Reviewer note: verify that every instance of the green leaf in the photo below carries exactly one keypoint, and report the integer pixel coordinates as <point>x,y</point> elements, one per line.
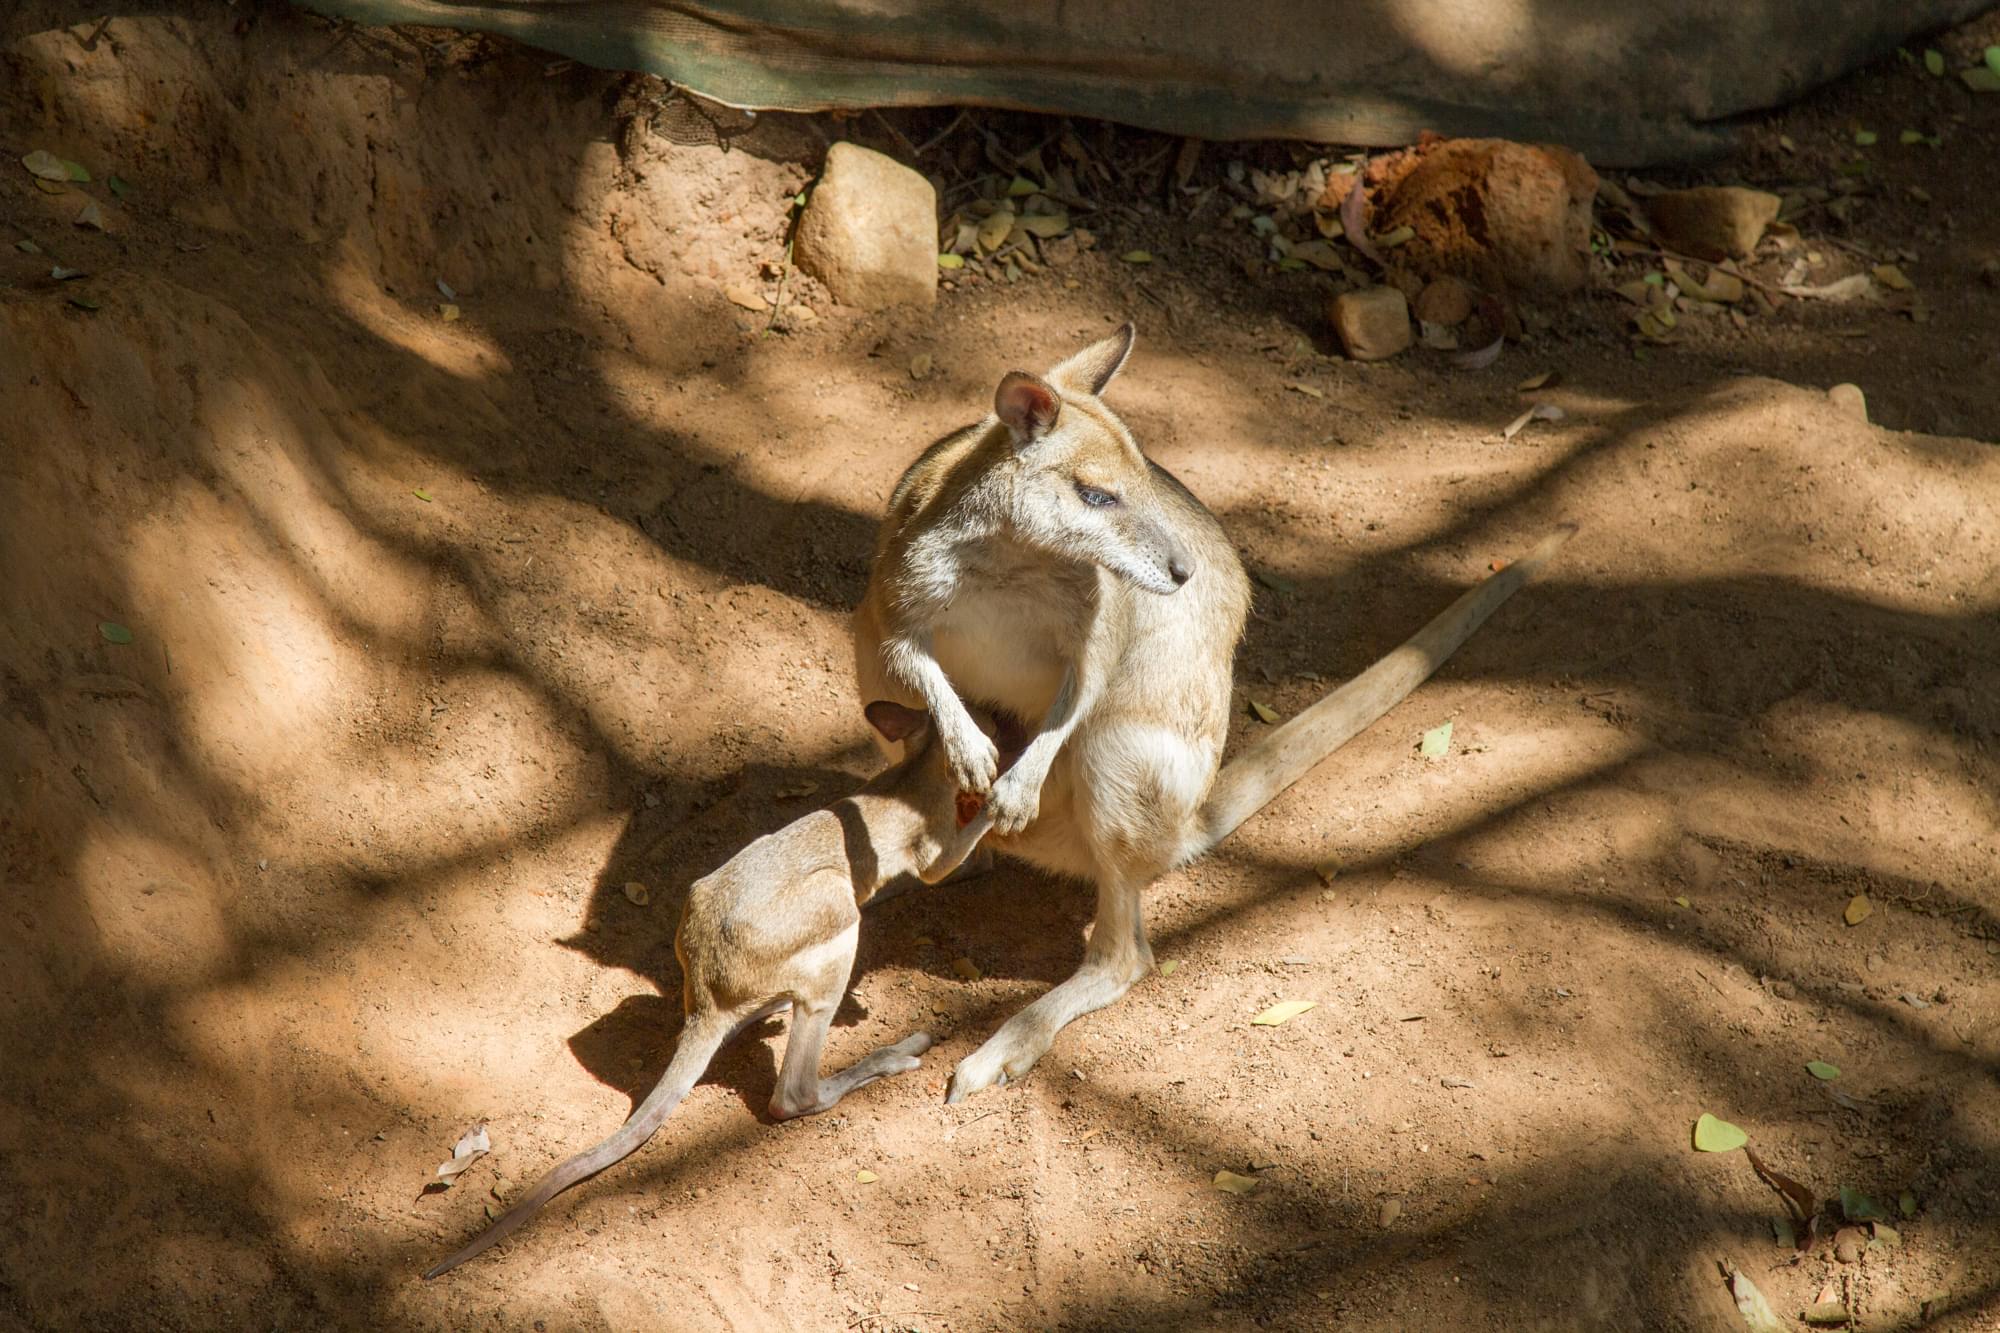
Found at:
<point>1908,137</point>
<point>1858,1207</point>
<point>45,165</point>
<point>27,247</point>
<point>1171,966</point>
<point>84,303</point>
<point>1906,1204</point>
<point>1263,712</point>
<point>1275,582</point>
<point>119,186</point>
<point>1934,62</point>
<point>421,494</point>
<point>951,261</point>
<point>74,170</point>
<point>1021,186</point>
<point>1712,1135</point>
<point>1402,235</point>
<point>1865,138</point>
<point>1980,79</point>
<point>1137,257</point>
<point>1820,1069</point>
<point>1993,59</point>
<point>1436,742</point>
<point>1826,1314</point>
<point>1283,1012</point>
<point>114,631</point>
<point>1757,1313</point>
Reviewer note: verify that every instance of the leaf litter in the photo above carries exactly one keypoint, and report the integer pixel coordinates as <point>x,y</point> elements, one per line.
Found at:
<point>1283,1012</point>
<point>1713,1135</point>
<point>471,1146</point>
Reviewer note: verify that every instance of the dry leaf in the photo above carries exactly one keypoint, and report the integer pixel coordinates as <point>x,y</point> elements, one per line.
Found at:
<point>1750,1303</point>
<point>866,1177</point>
<point>965,969</point>
<point>1847,289</point>
<point>636,893</point>
<point>471,1146</point>
<point>1231,1183</point>
<point>920,365</point>
<point>743,294</point>
<point>1887,274</point>
<point>91,215</point>
<point>448,312</point>
<point>1539,412</point>
<point>1283,1012</point>
<point>1391,1210</point>
<point>795,790</point>
<point>1263,712</point>
<point>995,230</point>
<point>1859,909</point>
<point>1309,390</point>
<point>1137,257</point>
<point>1171,966</point>
<point>1533,382</point>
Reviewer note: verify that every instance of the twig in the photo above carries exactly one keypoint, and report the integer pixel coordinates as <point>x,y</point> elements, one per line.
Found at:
<point>944,133</point>
<point>1711,981</point>
<point>975,1120</point>
<point>1675,255</point>
<point>894,133</point>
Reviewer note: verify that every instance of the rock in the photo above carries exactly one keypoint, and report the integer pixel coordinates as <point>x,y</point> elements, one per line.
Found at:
<point>1373,324</point>
<point>1506,217</point>
<point>1714,221</point>
<point>1848,1243</point>
<point>869,231</point>
<point>1445,300</point>
<point>1848,398</point>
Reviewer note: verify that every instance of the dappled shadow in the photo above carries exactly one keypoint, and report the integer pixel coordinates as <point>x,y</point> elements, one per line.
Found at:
<point>230,961</point>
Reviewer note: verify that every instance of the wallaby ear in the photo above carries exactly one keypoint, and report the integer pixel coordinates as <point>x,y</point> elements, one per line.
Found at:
<point>894,721</point>
<point>1028,405</point>
<point>1096,365</point>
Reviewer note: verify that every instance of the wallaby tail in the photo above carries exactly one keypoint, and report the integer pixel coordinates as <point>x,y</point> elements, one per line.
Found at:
<point>1277,760</point>
<point>700,1040</point>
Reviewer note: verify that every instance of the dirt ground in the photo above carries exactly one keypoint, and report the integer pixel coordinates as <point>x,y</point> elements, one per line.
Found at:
<point>442,632</point>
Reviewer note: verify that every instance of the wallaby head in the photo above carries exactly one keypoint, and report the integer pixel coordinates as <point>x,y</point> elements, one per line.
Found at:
<point>1080,487</point>
<point>942,832</point>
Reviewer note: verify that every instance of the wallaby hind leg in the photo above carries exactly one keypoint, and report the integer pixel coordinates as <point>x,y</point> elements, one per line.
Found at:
<point>1116,957</point>
<point>801,1091</point>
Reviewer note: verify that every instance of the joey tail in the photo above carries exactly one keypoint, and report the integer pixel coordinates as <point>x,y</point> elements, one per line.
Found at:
<point>699,1042</point>
<point>1283,756</point>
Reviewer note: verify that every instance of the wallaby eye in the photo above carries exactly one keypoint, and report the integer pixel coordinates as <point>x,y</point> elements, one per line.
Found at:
<point>1095,498</point>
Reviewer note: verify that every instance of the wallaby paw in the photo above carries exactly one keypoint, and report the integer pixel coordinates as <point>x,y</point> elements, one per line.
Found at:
<point>991,1066</point>
<point>1014,804</point>
<point>974,762</point>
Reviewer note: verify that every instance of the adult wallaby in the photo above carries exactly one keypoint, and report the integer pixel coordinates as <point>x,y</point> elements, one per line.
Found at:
<point>1039,563</point>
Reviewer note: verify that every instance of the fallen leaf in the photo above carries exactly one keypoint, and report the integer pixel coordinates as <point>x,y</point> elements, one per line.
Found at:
<point>920,365</point>
<point>114,631</point>
<point>1682,902</point>
<point>1865,138</point>
<point>1309,390</point>
<point>50,187</point>
<point>1892,277</point>
<point>1712,1135</point>
<point>1826,1312</point>
<point>84,303</point>
<point>1402,235</point>
<point>1980,79</point>
<point>1481,357</point>
<point>1820,1069</point>
<point>61,274</point>
<point>1435,742</point>
<point>866,1177</point>
<point>91,215</point>
<point>949,260</point>
<point>75,171</point>
<point>1800,1206</point>
<point>1914,1000</point>
<point>1283,1012</point>
<point>1231,1183</point>
<point>1021,187</point>
<point>1137,257</point>
<point>1537,381</point>
<point>1750,1303</point>
<point>1886,1234</point>
<point>1263,712</point>
<point>1858,1207</point>
<point>1908,137</point>
<point>471,1146</point>
<point>637,893</point>
<point>1171,966</point>
<point>1043,225</point>
<point>1786,142</point>
<point>1275,582</point>
<point>1993,58</point>
<point>1906,1204</point>
<point>744,295</point>
<point>1391,1210</point>
<point>1539,412</point>
<point>1859,909</point>
<point>1328,871</point>
<point>965,969</point>
<point>448,312</point>
<point>119,186</point>
<point>794,791</point>
<point>444,290</point>
<point>27,247</point>
<point>1846,289</point>
<point>1934,62</point>
<point>45,165</point>
<point>421,494</point>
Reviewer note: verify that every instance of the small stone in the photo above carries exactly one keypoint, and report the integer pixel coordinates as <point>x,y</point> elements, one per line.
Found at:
<point>1373,324</point>
<point>1446,301</point>
<point>1848,1243</point>
<point>869,231</point>
<point>1714,221</point>
<point>636,893</point>
<point>1849,399</point>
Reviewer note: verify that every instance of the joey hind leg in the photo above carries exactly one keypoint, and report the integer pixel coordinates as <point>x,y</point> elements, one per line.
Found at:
<point>1116,957</point>
<point>801,1091</point>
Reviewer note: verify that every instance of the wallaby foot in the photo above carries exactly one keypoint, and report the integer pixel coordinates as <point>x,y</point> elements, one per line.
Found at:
<point>901,1058</point>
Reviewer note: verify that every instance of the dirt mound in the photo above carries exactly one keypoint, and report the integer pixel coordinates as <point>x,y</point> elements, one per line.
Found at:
<point>443,630</point>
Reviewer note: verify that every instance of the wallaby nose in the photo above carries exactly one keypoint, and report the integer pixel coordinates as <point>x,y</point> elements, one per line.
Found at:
<point>1178,571</point>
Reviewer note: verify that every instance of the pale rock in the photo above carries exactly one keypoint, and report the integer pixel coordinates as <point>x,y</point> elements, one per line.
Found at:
<point>869,231</point>
<point>1372,324</point>
<point>1848,398</point>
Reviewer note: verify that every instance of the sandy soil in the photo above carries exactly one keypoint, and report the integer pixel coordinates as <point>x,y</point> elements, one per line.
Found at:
<point>443,632</point>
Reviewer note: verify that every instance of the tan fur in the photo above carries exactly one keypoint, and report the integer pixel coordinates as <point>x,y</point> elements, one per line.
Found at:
<point>993,581</point>
<point>775,928</point>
